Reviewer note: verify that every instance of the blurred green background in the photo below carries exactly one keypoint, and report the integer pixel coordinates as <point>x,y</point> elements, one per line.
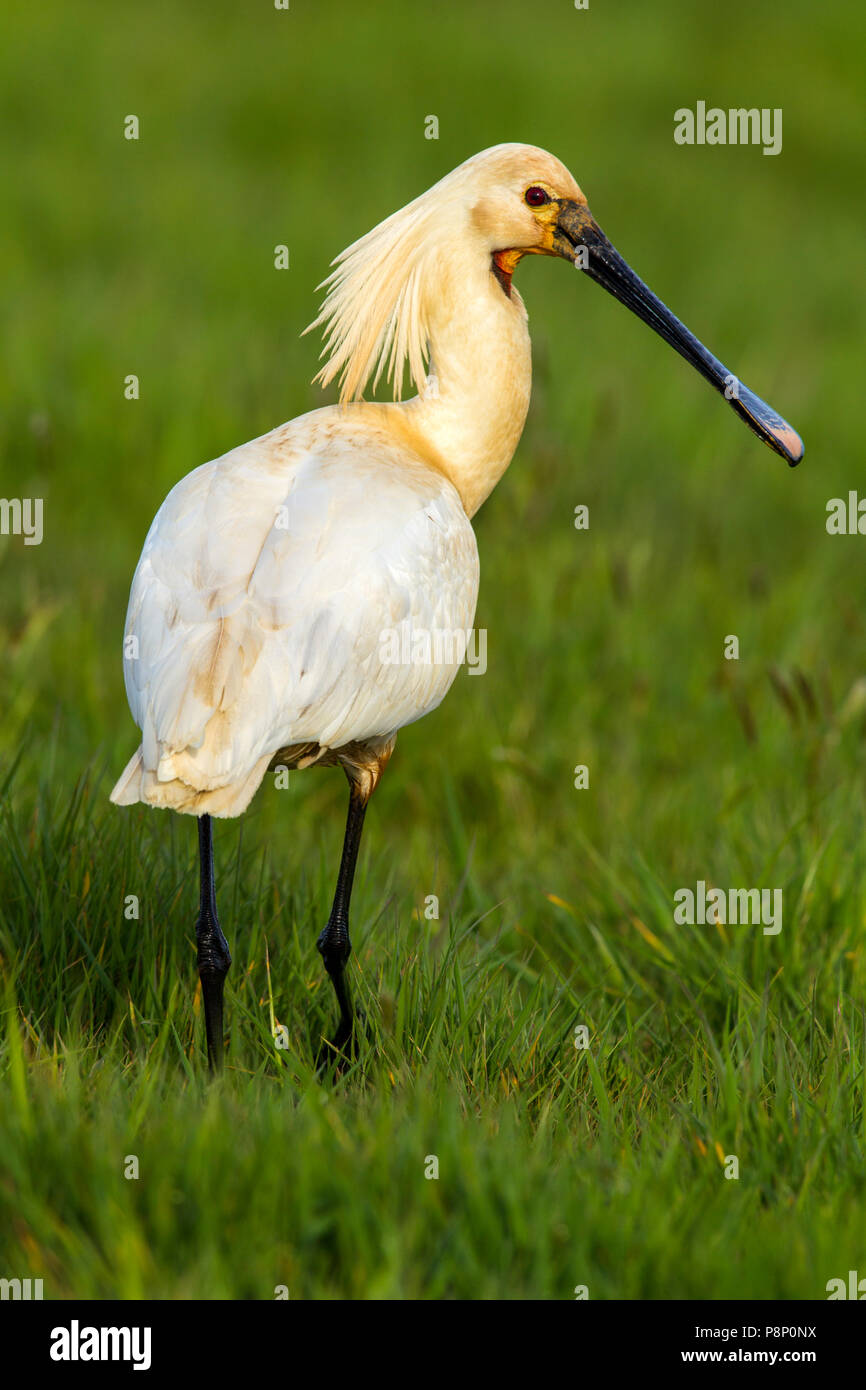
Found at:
<point>306,127</point>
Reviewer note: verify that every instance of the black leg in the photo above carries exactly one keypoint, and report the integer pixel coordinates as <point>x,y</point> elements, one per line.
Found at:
<point>334,943</point>
<point>214,958</point>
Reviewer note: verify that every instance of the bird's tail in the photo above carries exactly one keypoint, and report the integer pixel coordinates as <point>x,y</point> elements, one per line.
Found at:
<point>138,783</point>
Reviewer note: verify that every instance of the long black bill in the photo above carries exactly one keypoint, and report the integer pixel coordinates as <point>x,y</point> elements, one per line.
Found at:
<point>576,232</point>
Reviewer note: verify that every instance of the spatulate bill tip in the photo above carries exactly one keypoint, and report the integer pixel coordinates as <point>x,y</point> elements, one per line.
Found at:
<point>776,432</point>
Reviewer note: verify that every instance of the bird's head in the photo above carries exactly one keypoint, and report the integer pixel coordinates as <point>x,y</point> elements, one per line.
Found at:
<point>515,195</point>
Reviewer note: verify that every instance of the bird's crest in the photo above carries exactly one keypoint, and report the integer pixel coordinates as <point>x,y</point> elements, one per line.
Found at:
<point>374,313</point>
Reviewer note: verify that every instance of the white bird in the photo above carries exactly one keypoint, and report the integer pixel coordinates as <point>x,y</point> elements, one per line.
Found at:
<point>271,575</point>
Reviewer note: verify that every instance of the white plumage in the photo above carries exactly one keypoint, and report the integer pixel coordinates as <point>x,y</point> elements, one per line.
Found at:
<point>260,601</point>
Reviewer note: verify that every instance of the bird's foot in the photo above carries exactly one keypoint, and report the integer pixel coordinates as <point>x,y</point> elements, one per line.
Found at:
<point>340,1051</point>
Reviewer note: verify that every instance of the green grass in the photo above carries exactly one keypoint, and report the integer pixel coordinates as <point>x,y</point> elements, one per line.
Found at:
<point>558,1167</point>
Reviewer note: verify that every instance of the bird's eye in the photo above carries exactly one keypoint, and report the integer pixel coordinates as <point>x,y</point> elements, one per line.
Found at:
<point>535,196</point>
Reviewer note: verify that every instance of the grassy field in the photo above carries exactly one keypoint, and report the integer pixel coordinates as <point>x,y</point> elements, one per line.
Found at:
<point>557,1167</point>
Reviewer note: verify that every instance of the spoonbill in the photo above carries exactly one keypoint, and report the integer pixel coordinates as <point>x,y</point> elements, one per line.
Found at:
<point>254,631</point>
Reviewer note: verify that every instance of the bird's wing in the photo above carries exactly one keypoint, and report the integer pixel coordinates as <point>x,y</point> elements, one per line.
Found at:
<point>264,595</point>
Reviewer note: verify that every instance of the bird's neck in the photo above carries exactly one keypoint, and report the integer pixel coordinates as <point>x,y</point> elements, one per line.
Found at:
<point>474,409</point>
